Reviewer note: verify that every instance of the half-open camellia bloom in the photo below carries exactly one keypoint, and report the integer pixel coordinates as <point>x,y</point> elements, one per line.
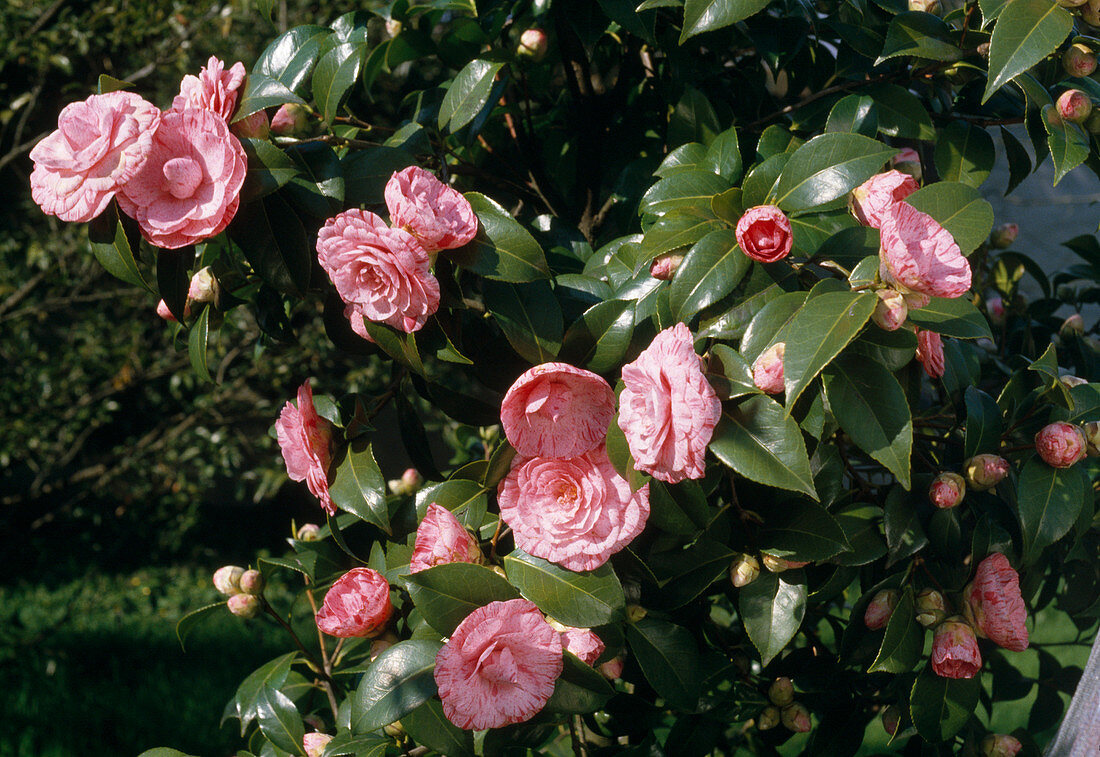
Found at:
<point>214,89</point>
<point>358,604</point>
<point>583,643</point>
<point>930,353</point>
<point>767,369</point>
<point>306,442</point>
<point>668,411</point>
<point>919,256</point>
<point>557,410</point>
<point>870,200</point>
<point>188,190</point>
<point>437,215</point>
<point>955,652</point>
<point>994,601</point>
<point>764,233</point>
<point>441,539</point>
<point>99,145</point>
<point>381,274</point>
<point>576,512</point>
<point>499,666</point>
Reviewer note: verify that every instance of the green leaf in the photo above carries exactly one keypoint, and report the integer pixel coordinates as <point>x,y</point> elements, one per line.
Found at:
<point>904,533</point>
<point>428,726</point>
<point>358,486</point>
<point>503,249</point>
<point>735,377</point>
<point>957,317</point>
<point>347,744</point>
<point>707,15</point>
<point>694,187</point>
<point>693,119</point>
<point>819,331</point>
<point>958,208</point>
<point>188,622</point>
<point>939,706</point>
<point>855,114</point>
<point>1048,501</point>
<point>769,324</point>
<point>1026,32</point>
<point>860,522</point>
<point>274,241</point>
<point>107,83</point>
<point>367,171</point>
<point>173,277</point>
<point>447,593</point>
<point>582,599</point>
<point>196,345</point>
<point>828,167</point>
<point>904,639</point>
<point>263,92</point>
<point>268,169</point>
<point>397,682</point>
<point>468,94</point>
<point>710,271</point>
<point>802,531</point>
<point>279,720</point>
<point>761,442</point>
<point>680,227</point>
<point>900,113</point>
<point>599,339</point>
<point>1069,145</point>
<point>686,573</point>
<point>678,508</point>
<point>334,76</point>
<point>163,751</point>
<point>290,57</point>
<point>530,317</point>
<point>772,608</point>
<point>964,152</point>
<point>669,659</point>
<point>919,35</point>
<point>758,186</point>
<point>580,689</point>
<point>271,675</point>
<point>724,156</point>
<point>688,157</point>
<point>467,500</point>
<point>872,408</point>
<point>983,423</point>
<point>111,247</point>
<point>1019,162</point>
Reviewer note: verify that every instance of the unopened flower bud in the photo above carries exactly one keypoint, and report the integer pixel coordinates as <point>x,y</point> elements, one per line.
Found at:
<point>203,286</point>
<point>664,266</point>
<point>985,471</point>
<point>999,745</point>
<point>290,120</point>
<point>1061,444</point>
<point>1092,438</point>
<point>908,161</point>
<point>744,570</point>
<point>767,369</point>
<point>634,613</point>
<point>1071,3</point>
<point>890,310</point>
<point>393,27</point>
<point>983,50</point>
<point>781,692</point>
<point>381,644</point>
<point>947,490</point>
<point>891,719</point>
<point>227,579</point>
<point>252,582</point>
<point>1090,13</point>
<point>1004,235</point>
<point>308,532</point>
<point>931,608</point>
<point>1074,324</point>
<point>165,313</point>
<point>778,564</point>
<point>533,44</point>
<point>412,479</point>
<point>1069,381</point>
<point>955,652</point>
<point>880,608</point>
<point>314,743</point>
<point>1074,105</point>
<point>245,606</point>
<point>797,718</point>
<point>769,718</point>
<point>1079,60</point>
<point>394,730</point>
<point>927,6</point>
<point>995,306</point>
<point>612,670</point>
<point>256,126</point>
<point>1092,123</point>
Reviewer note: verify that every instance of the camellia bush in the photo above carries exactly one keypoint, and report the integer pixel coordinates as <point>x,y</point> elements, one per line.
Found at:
<point>764,438</point>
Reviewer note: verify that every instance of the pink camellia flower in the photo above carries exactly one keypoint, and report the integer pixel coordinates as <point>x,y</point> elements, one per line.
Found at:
<point>557,410</point>
<point>764,234</point>
<point>664,266</point>
<point>612,670</point>
<point>214,89</point>
<point>188,190</point>
<point>583,643</point>
<point>533,44</point>
<point>499,666</point>
<point>930,353</point>
<point>440,539</point>
<point>919,256</point>
<point>306,442</point>
<point>100,144</point>
<point>880,608</point>
<point>381,274</point>
<point>999,745</point>
<point>994,602</point>
<point>315,743</point>
<point>995,306</point>
<point>438,216</point>
<point>767,369</point>
<point>290,119</point>
<point>871,199</point>
<point>164,312</point>
<point>955,651</point>
<point>667,410</point>
<point>1061,444</point>
<point>203,286</point>
<point>985,471</point>
<point>575,512</point>
<point>947,490</point>
<point>891,310</point>
<point>358,604</point>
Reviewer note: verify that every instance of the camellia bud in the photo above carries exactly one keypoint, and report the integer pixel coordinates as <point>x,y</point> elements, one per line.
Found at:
<point>203,286</point>
<point>245,606</point>
<point>256,126</point>
<point>165,313</point>
<point>947,490</point>
<point>393,27</point>
<point>908,161</point>
<point>1074,105</point>
<point>931,608</point>
<point>314,743</point>
<point>1051,117</point>
<point>394,730</point>
<point>999,745</point>
<point>289,120</point>
<point>664,266</point>
<point>955,651</point>
<point>781,692</point>
<point>927,6</point>
<point>1079,60</point>
<point>891,719</point>
<point>880,608</point>
<point>995,306</point>
<point>412,479</point>
<point>634,613</point>
<point>1092,438</point>
<point>1061,444</point>
<point>1069,381</point>
<point>769,718</point>
<point>612,670</point>
<point>890,310</point>
<point>1074,324</point>
<point>381,644</point>
<point>797,718</point>
<point>744,570</point>
<point>252,582</point>
<point>1004,235</point>
<point>1092,123</point>
<point>985,471</point>
<point>308,532</point>
<point>1090,13</point>
<point>983,50</point>
<point>776,564</point>
<point>227,579</point>
<point>1071,3</point>
<point>767,369</point>
<point>533,44</point>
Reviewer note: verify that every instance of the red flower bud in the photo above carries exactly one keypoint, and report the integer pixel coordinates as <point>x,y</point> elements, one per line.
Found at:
<point>931,608</point>
<point>995,604</point>
<point>880,608</point>
<point>781,692</point>
<point>315,743</point>
<point>256,126</point>
<point>985,471</point>
<point>1061,444</point>
<point>1074,105</point>
<point>769,718</point>
<point>764,234</point>
<point>891,719</point>
<point>1004,235</point>
<point>289,120</point>
<point>308,532</point>
<point>1079,60</point>
<point>955,651</point>
<point>612,669</point>
<point>797,718</point>
<point>744,570</point>
<point>995,307</point>
<point>203,287</point>
<point>767,369</point>
<point>947,490</point>
<point>664,266</point>
<point>1073,324</point>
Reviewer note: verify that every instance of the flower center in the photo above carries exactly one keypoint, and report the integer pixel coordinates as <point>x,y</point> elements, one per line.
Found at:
<point>183,176</point>
<point>567,492</point>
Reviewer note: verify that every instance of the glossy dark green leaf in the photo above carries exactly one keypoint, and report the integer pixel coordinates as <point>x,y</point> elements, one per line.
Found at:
<point>729,374</point>
<point>802,531</point>
<point>707,15</point>
<point>582,599</point>
<point>772,608</point>
<point>279,720</point>
<point>1069,145</point>
<point>580,689</point>
<point>367,171</point>
<point>669,659</point>
<point>964,152</point>
<point>693,119</point>
<point>900,113</point>
<point>678,508</point>
<point>1019,162</point>
<point>196,344</point>
<point>529,316</point>
<point>272,237</point>
<point>724,156</point>
<point>903,641</point>
<point>397,682</point>
<point>468,94</point>
<point>264,92</point>
<point>271,675</point>
<point>268,169</point>
<point>855,114</point>
<point>111,247</point>
<point>191,620</point>
<point>290,57</point>
<point>319,187</point>
<point>958,208</point>
<point>712,269</point>
<point>861,524</point>
<point>358,486</point>
<point>502,250</point>
<point>347,744</point>
<point>686,573</point>
<point>618,452</point>
<point>681,227</point>
<point>1026,32</point>
<point>769,324</point>
<point>467,500</point>
<point>447,593</point>
<point>600,337</point>
<point>919,35</point>
<point>428,726</point>
<point>828,167</point>
<point>904,533</point>
<point>694,187</point>
<point>688,157</point>
<point>957,317</point>
<point>758,186</point>
<point>106,83</point>
<point>334,76</point>
<point>173,278</point>
<point>983,422</point>
<point>818,332</point>
<point>761,442</point>
<point>1049,501</point>
<point>940,706</point>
